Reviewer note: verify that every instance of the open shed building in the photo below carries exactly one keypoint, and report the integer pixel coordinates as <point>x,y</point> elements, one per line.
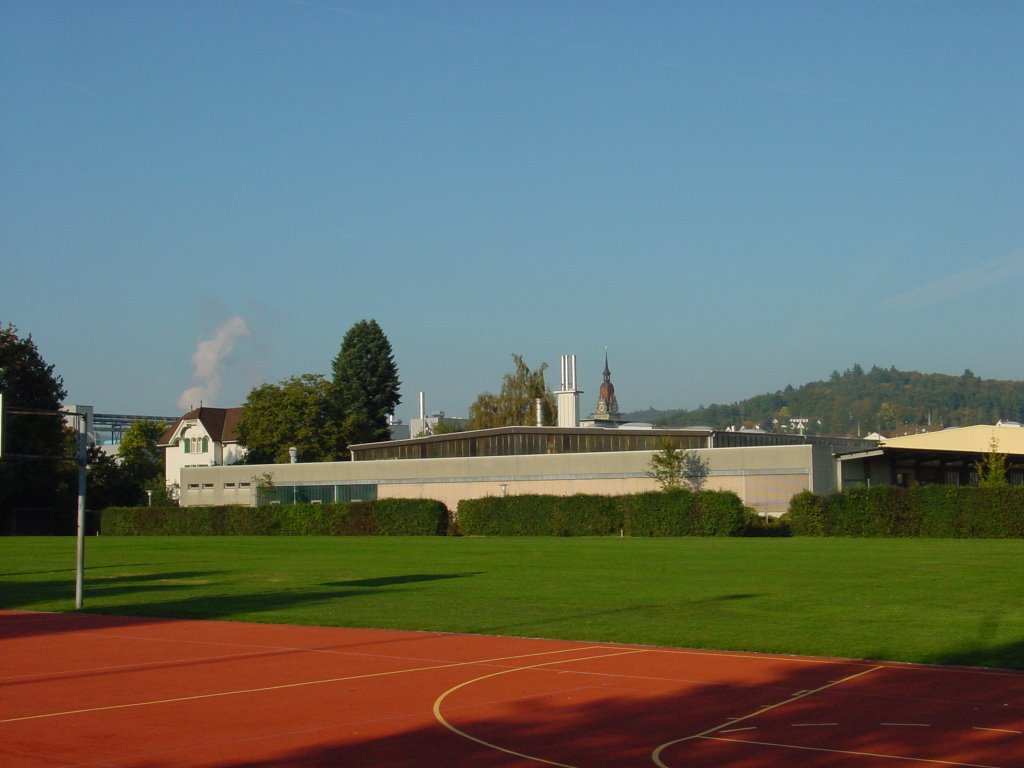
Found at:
<point>949,457</point>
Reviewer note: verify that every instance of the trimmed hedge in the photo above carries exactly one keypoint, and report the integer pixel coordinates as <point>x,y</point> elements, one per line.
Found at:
<point>676,513</point>
<point>536,515</point>
<point>933,511</point>
<point>383,517</point>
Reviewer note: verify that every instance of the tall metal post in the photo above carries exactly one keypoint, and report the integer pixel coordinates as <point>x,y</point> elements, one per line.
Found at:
<point>83,443</point>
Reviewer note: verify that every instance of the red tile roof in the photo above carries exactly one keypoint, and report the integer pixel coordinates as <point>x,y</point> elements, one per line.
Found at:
<point>220,423</point>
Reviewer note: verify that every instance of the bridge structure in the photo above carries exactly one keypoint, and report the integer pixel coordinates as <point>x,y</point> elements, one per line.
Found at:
<point>109,428</point>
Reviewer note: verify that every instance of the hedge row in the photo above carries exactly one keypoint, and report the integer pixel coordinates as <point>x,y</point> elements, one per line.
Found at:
<point>934,511</point>
<point>383,517</point>
<point>676,513</point>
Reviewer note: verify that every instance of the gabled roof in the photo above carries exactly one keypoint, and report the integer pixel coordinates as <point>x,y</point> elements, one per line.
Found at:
<point>220,423</point>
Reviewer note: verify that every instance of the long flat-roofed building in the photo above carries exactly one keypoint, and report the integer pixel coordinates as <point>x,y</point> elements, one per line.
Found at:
<point>764,469</point>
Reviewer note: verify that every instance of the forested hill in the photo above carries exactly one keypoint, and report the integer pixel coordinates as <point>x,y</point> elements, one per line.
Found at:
<point>855,402</point>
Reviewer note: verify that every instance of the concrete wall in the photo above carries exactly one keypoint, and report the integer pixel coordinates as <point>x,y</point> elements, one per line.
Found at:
<point>764,477</point>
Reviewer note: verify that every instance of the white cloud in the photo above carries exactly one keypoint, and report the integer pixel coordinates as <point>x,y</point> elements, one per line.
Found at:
<point>968,281</point>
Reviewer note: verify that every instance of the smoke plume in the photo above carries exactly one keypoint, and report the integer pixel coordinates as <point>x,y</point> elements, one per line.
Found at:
<point>207,362</point>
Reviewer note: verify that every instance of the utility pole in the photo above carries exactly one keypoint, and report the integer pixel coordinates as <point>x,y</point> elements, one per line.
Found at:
<point>83,451</point>
<point>81,459</point>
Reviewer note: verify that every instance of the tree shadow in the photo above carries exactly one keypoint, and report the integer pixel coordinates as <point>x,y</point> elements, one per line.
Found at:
<point>717,724</point>
<point>71,570</point>
<point>19,595</point>
<point>624,610</point>
<point>410,578</point>
<point>160,590</point>
<point>1002,656</point>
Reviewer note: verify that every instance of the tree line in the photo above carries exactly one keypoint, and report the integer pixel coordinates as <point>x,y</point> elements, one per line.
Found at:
<point>856,402</point>
<point>321,417</point>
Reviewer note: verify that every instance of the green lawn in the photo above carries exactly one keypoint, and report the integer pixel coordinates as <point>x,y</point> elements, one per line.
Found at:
<point>944,601</point>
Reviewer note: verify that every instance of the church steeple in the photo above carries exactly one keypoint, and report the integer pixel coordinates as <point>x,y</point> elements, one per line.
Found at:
<point>607,405</point>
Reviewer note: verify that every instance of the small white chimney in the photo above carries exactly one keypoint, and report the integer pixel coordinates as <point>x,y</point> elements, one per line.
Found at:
<point>568,396</point>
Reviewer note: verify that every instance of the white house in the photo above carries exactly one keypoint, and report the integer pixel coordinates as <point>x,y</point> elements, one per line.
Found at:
<point>204,437</point>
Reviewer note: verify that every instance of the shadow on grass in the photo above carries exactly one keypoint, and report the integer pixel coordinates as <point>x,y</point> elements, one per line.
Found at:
<point>71,570</point>
<point>27,594</point>
<point>15,595</point>
<point>411,578</point>
<point>627,611</point>
<point>1001,656</point>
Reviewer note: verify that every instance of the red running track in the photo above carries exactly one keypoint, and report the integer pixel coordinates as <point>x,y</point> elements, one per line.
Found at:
<point>87,690</point>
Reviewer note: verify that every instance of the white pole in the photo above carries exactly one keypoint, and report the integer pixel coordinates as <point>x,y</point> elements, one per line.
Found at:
<point>83,440</point>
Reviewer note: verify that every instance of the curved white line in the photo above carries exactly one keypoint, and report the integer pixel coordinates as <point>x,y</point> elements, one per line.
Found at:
<point>444,721</point>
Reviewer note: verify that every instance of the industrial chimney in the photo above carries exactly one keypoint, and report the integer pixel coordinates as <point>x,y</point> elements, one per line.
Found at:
<point>568,397</point>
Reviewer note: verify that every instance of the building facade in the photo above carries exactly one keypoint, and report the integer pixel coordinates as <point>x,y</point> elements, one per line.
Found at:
<point>765,470</point>
<point>944,457</point>
<point>204,437</point>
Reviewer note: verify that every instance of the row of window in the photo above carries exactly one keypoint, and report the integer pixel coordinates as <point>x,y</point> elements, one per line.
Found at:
<point>299,494</point>
<point>195,444</point>
<point>954,477</point>
<point>316,494</point>
<point>225,486</point>
<point>528,443</point>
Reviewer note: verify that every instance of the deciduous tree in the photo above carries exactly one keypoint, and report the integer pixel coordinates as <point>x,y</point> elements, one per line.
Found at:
<point>28,382</point>
<point>108,483</point>
<point>298,412</point>
<point>516,405</point>
<point>674,468</point>
<point>139,455</point>
<point>991,467</point>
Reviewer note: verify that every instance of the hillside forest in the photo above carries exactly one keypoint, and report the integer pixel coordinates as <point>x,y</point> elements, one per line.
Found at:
<point>857,403</point>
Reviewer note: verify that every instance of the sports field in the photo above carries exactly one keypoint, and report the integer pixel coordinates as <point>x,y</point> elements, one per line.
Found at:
<point>929,601</point>
<point>124,692</point>
<point>654,665</point>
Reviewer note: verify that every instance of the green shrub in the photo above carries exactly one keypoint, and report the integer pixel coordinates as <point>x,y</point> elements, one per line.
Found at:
<point>384,517</point>
<point>806,514</point>
<point>657,513</point>
<point>407,517</point>
<point>539,515</point>
<point>719,513</point>
<point>757,526</point>
<point>683,512</point>
<point>881,510</point>
<point>946,511</point>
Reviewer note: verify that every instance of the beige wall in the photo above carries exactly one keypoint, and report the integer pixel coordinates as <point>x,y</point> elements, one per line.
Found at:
<point>764,477</point>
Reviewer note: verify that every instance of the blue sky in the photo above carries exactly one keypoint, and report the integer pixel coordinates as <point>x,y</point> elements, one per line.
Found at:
<point>731,197</point>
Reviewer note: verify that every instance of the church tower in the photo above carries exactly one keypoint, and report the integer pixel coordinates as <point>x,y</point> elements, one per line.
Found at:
<point>607,405</point>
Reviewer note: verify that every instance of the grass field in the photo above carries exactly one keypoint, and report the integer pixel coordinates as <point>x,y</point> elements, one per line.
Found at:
<point>940,601</point>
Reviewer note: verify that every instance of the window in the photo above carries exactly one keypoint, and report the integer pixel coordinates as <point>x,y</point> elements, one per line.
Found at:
<point>185,445</point>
